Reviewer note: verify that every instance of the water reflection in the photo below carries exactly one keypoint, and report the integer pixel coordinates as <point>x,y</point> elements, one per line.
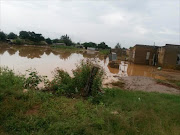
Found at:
<point>31,53</point>
<point>143,70</point>
<point>46,59</point>
<point>65,55</point>
<point>3,49</point>
<point>11,51</point>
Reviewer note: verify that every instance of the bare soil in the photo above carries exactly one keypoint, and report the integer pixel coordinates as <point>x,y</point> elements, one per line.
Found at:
<point>147,84</point>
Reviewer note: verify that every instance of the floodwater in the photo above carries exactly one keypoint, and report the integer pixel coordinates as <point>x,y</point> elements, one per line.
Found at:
<point>46,59</point>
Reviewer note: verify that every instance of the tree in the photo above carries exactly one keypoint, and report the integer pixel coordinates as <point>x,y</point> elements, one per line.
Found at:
<point>24,35</point>
<point>31,36</point>
<point>2,36</point>
<point>103,45</point>
<point>55,40</point>
<point>49,41</point>
<point>90,44</point>
<point>35,37</point>
<point>11,35</point>
<point>118,46</point>
<point>66,39</point>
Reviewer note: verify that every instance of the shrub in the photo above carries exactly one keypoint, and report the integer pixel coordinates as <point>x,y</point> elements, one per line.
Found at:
<point>10,81</point>
<point>63,83</point>
<point>19,41</point>
<point>33,79</point>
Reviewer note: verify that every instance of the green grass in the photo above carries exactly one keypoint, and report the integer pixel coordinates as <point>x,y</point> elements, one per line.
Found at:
<point>117,112</point>
<point>178,83</point>
<point>104,52</point>
<point>65,47</point>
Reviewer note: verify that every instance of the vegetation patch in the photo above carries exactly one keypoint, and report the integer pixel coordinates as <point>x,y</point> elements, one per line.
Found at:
<point>104,52</point>
<point>84,79</point>
<point>112,112</point>
<point>66,48</point>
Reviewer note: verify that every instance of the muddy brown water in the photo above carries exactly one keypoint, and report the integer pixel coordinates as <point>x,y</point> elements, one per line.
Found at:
<point>46,59</point>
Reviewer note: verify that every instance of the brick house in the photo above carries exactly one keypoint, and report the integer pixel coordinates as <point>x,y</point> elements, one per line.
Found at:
<point>169,56</point>
<point>143,54</point>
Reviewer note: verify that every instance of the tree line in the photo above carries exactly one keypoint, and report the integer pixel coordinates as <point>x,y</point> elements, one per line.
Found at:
<point>28,37</point>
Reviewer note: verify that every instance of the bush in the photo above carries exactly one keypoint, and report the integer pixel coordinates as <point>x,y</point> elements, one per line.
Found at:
<point>33,79</point>
<point>63,83</point>
<point>10,81</point>
<point>19,41</point>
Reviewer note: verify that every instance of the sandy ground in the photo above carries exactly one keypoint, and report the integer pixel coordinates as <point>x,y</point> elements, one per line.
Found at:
<point>147,84</point>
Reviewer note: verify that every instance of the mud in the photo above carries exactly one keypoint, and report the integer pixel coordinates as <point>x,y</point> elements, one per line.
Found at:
<point>169,74</point>
<point>147,84</point>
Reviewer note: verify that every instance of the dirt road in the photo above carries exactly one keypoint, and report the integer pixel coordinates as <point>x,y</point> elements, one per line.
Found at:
<point>147,84</point>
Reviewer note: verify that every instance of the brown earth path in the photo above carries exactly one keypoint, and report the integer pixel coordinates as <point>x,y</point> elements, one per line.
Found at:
<point>147,84</point>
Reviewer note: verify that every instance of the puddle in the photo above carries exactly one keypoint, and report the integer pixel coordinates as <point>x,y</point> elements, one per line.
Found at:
<point>46,59</point>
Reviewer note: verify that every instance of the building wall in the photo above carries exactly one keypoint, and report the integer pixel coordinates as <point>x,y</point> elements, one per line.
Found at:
<point>131,51</point>
<point>141,54</point>
<point>161,53</point>
<point>170,57</point>
<point>90,48</point>
<point>127,52</point>
<point>167,55</point>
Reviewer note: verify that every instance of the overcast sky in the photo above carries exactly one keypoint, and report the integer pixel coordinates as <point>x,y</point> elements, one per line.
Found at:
<point>128,22</point>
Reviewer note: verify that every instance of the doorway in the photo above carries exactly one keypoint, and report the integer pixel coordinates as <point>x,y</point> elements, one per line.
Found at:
<point>178,59</point>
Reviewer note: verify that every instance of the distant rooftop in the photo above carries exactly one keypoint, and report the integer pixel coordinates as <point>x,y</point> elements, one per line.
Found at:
<point>172,45</point>
<point>146,45</point>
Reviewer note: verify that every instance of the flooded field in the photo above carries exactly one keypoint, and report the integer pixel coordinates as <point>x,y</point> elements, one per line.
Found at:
<point>46,59</point>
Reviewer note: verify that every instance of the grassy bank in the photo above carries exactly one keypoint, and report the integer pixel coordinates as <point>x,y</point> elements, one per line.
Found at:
<point>65,47</point>
<point>104,51</point>
<point>114,112</point>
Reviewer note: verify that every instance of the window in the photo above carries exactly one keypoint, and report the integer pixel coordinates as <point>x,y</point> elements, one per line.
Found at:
<point>147,55</point>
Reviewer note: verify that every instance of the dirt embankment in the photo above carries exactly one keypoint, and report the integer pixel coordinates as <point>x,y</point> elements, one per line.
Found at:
<point>147,84</point>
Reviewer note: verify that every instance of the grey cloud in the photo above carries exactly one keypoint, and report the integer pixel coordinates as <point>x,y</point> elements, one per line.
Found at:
<point>125,21</point>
